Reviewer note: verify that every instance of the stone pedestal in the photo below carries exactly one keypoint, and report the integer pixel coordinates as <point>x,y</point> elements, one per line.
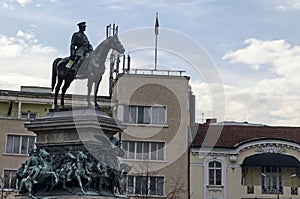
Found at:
<point>86,130</point>
<point>72,197</point>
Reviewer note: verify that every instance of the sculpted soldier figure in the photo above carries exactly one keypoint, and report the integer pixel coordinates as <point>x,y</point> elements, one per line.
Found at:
<point>33,166</point>
<point>80,47</point>
<point>70,161</point>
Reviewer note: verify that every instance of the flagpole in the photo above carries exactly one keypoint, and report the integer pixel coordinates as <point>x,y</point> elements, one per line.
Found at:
<point>156,34</point>
<point>155,52</point>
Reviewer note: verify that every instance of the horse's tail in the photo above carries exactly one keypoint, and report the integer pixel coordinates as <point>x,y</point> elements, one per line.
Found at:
<point>54,72</point>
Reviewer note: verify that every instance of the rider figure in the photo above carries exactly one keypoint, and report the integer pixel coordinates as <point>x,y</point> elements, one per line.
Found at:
<point>70,161</point>
<point>33,166</point>
<point>80,47</point>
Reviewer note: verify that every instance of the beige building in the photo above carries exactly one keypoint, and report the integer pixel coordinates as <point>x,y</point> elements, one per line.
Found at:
<point>156,109</point>
<point>232,160</point>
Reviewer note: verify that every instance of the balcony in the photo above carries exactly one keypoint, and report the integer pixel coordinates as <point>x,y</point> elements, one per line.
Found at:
<point>258,192</point>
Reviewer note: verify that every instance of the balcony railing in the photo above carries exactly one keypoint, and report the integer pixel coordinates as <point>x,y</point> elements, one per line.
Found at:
<point>259,190</point>
<point>24,115</point>
<point>157,72</point>
<point>268,190</point>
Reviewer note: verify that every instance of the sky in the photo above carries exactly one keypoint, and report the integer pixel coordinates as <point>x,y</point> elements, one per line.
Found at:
<point>254,45</point>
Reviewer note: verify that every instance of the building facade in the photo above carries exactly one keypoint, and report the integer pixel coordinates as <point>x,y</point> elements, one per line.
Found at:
<point>244,161</point>
<point>156,110</point>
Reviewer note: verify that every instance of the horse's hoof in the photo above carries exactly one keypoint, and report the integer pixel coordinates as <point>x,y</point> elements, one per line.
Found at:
<point>31,196</point>
<point>56,107</point>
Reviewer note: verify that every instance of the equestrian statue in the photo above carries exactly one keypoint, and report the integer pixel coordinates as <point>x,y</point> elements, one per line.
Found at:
<point>83,63</point>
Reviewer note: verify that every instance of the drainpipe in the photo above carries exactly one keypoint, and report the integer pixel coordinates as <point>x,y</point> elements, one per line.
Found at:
<point>19,109</point>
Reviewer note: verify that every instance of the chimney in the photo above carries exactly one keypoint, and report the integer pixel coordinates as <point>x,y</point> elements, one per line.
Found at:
<point>211,121</point>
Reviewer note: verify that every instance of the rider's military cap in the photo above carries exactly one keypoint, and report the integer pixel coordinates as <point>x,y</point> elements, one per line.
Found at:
<point>81,24</point>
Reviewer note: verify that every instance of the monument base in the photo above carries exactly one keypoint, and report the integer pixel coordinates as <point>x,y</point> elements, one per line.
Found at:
<point>71,197</point>
<point>76,156</point>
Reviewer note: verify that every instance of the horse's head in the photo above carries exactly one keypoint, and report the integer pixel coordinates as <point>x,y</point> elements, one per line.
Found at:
<point>44,153</point>
<point>116,44</point>
<point>81,156</point>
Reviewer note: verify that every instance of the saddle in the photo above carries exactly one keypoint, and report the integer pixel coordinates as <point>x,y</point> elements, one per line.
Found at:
<point>67,62</point>
<point>70,63</point>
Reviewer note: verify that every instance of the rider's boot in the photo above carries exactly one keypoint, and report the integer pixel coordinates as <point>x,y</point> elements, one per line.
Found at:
<point>76,69</point>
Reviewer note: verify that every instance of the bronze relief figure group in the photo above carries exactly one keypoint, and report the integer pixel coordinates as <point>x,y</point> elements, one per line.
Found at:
<point>74,172</point>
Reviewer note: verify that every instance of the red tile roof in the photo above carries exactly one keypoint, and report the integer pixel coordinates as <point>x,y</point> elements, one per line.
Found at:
<point>228,135</point>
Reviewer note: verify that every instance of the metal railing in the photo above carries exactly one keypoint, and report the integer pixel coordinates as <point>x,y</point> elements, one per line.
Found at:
<point>31,115</point>
<point>157,72</point>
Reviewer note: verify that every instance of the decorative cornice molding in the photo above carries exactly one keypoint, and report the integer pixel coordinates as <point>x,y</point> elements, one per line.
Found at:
<point>269,148</point>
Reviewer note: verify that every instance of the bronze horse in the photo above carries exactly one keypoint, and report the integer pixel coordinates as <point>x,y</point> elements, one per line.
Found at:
<point>92,68</point>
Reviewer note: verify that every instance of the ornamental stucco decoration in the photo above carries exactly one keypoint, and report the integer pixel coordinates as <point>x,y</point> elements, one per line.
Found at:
<point>271,149</point>
<point>233,158</point>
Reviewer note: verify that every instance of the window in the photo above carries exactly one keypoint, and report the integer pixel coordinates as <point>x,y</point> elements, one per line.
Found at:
<point>144,150</point>
<point>28,115</point>
<point>18,144</point>
<point>145,114</point>
<point>10,179</point>
<point>215,173</point>
<point>145,185</point>
<point>250,189</point>
<point>294,190</point>
<point>271,180</point>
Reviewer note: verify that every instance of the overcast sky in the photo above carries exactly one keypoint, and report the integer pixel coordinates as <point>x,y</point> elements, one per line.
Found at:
<point>254,44</point>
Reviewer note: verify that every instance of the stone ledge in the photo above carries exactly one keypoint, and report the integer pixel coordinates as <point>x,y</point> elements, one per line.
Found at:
<point>71,197</point>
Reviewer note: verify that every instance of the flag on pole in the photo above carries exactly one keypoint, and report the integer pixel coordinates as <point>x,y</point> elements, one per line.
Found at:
<point>156,24</point>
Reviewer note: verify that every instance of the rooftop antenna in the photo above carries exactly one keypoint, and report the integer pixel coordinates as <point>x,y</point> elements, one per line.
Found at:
<point>112,29</point>
<point>156,34</point>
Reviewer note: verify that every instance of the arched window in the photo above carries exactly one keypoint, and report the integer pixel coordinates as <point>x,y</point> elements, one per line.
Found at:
<point>215,173</point>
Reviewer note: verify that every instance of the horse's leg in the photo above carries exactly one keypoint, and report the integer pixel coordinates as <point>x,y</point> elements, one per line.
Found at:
<point>87,185</point>
<point>54,180</point>
<point>57,88</point>
<point>22,185</point>
<point>97,83</point>
<point>29,187</point>
<point>67,83</point>
<point>63,180</point>
<point>80,184</point>
<point>89,85</point>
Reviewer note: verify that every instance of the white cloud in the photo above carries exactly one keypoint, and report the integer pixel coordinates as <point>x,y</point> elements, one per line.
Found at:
<point>23,2</point>
<point>258,52</point>
<point>24,44</point>
<point>271,100</point>
<point>26,61</point>
<point>27,36</point>
<point>8,6</point>
<point>287,4</point>
<point>10,47</point>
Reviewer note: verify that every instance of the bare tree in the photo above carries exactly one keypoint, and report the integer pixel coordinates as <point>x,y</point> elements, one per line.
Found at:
<point>177,189</point>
